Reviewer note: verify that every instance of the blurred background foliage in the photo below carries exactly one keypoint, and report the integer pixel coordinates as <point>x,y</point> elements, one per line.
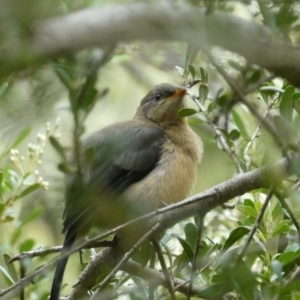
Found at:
<point>40,100</point>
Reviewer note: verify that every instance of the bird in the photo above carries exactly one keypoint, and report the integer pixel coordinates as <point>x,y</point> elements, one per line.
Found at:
<point>130,168</point>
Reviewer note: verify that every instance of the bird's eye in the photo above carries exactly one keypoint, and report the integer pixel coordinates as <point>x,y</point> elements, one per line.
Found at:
<point>158,96</point>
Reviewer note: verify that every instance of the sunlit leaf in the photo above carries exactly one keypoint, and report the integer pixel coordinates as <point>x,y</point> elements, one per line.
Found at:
<point>282,227</point>
<point>10,267</point>
<point>7,275</point>
<point>29,190</point>
<point>180,70</point>
<point>287,104</point>
<point>185,112</point>
<point>203,92</point>
<point>239,123</point>
<point>204,76</point>
<point>192,71</point>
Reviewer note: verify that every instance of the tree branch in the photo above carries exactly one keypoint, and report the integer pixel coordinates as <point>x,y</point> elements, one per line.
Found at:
<point>160,21</point>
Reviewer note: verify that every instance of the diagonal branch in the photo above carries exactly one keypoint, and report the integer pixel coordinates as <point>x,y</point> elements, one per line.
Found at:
<point>211,198</point>
<point>197,204</point>
<point>160,21</point>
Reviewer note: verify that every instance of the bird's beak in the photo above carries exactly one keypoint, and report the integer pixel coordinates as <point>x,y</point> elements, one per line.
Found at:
<point>178,93</point>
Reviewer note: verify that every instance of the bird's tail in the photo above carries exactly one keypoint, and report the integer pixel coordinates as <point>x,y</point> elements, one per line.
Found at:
<point>61,266</point>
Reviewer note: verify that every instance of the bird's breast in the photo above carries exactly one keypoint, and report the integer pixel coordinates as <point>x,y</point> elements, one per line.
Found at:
<point>174,176</point>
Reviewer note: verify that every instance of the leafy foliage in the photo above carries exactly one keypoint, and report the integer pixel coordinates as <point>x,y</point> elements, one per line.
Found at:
<point>252,130</point>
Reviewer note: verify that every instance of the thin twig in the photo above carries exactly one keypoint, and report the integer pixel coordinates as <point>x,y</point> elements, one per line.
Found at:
<point>227,148</point>
<point>195,99</point>
<point>22,275</point>
<point>195,256</point>
<point>256,225</point>
<point>246,156</point>
<point>56,249</point>
<point>124,260</point>
<point>35,253</point>
<point>168,277</point>
<point>218,132</point>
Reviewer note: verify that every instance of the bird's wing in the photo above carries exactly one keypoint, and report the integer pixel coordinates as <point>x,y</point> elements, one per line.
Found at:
<point>122,154</point>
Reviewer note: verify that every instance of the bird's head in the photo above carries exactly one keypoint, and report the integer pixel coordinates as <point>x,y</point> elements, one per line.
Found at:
<point>162,103</point>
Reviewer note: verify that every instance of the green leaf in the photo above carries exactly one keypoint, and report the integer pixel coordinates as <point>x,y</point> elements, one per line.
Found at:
<point>234,135</point>
<point>250,211</point>
<point>297,105</point>
<point>103,92</point>
<point>239,123</point>
<point>277,210</point>
<point>180,70</point>
<point>58,147</point>
<point>21,137</point>
<point>64,70</point>
<point>13,180</point>
<point>282,126</point>
<point>191,233</point>
<point>191,53</point>
<point>185,112</point>
<point>168,251</point>
<point>7,219</point>
<point>254,75</point>
<point>88,97</point>
<point>287,257</point>
<point>66,168</point>
<point>277,268</point>
<point>29,190</point>
<point>192,71</point>
<point>282,227</point>
<point>249,202</point>
<point>32,216</point>
<point>235,235</point>
<point>186,247</point>
<point>146,251</point>
<point>7,275</point>
<point>181,262</point>
<point>10,267</point>
<point>212,292</point>
<point>203,92</point>
<point>1,178</point>
<point>27,245</point>
<point>287,104</point>
<point>204,76</point>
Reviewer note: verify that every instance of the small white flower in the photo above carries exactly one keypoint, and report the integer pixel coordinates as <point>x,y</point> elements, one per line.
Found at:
<point>44,185</point>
